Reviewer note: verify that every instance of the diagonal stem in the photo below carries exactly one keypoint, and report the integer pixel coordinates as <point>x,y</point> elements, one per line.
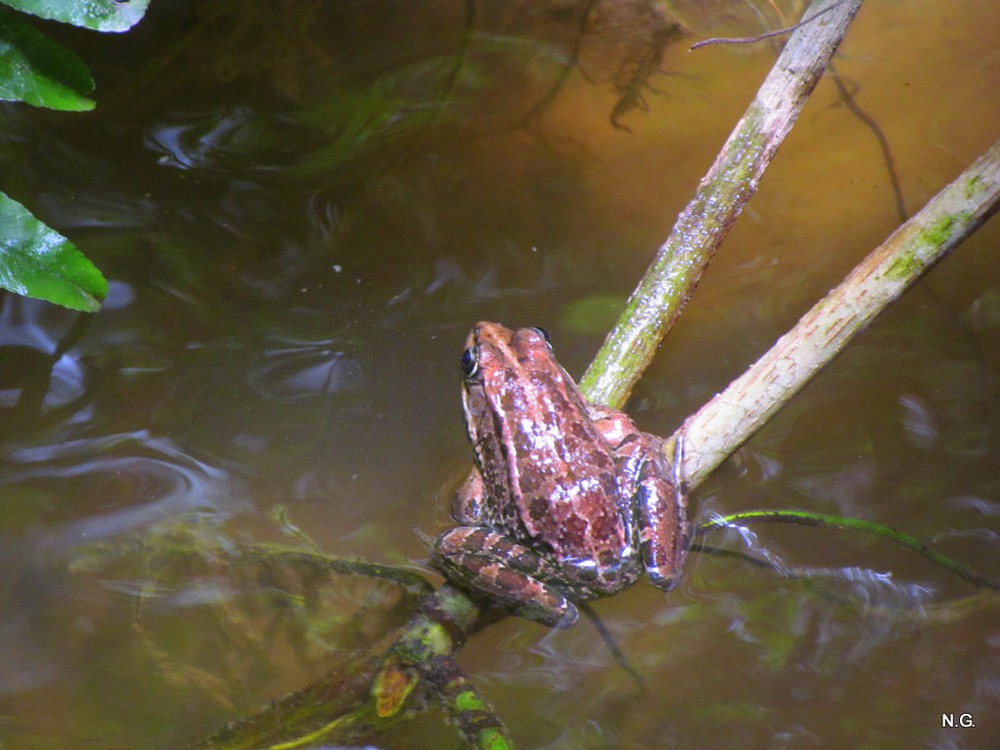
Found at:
<point>721,195</point>
<point>726,421</point>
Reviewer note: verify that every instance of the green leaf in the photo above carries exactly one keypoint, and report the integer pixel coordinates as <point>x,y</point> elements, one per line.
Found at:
<point>39,262</point>
<point>36,70</point>
<point>99,15</point>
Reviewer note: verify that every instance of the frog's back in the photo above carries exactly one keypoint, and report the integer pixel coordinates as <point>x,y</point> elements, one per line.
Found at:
<point>550,478</point>
<point>564,477</point>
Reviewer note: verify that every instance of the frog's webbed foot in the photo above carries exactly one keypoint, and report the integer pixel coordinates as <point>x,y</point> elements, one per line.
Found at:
<point>503,572</point>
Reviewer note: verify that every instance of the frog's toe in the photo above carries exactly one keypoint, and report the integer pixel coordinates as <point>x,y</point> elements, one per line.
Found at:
<point>569,617</point>
<point>661,580</point>
<point>551,609</point>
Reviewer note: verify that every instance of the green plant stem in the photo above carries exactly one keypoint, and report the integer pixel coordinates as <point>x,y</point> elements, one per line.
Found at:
<point>807,518</point>
<point>657,301</point>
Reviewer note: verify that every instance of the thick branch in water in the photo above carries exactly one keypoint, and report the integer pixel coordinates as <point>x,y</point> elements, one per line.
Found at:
<point>749,401</point>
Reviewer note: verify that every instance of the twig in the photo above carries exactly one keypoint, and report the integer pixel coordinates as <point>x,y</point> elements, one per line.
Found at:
<point>611,644</point>
<point>761,37</point>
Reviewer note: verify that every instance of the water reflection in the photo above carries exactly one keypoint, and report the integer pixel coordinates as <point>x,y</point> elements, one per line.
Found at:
<point>149,477</point>
<point>74,500</point>
<point>834,614</point>
<point>303,369</point>
<point>918,421</point>
<point>40,376</point>
<point>210,141</point>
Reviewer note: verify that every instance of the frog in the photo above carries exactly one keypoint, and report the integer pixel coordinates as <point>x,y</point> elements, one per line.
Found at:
<point>567,501</point>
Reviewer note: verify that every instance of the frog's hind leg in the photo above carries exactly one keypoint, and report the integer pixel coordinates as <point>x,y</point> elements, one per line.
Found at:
<point>501,571</point>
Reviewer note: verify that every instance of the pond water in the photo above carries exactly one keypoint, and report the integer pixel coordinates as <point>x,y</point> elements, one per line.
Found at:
<point>302,211</point>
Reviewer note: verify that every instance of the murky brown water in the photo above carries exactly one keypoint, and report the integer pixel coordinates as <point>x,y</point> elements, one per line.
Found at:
<point>301,216</point>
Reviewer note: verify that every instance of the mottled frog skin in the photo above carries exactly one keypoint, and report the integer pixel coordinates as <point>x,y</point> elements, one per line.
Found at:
<point>567,500</point>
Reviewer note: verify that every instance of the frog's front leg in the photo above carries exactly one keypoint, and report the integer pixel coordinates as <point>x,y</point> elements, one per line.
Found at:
<point>467,506</point>
<point>503,571</point>
<point>655,497</point>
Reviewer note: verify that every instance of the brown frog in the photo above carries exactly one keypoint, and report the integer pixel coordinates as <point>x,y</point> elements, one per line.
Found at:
<point>567,500</point>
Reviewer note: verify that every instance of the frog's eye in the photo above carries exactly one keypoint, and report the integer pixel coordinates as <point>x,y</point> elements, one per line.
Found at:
<point>470,362</point>
<point>544,334</point>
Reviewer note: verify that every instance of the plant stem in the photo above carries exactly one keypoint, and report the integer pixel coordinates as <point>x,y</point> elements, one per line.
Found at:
<point>721,195</point>
<point>726,421</point>
<point>807,518</point>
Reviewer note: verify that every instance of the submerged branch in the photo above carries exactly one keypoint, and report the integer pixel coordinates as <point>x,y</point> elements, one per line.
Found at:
<point>700,228</point>
<point>379,687</point>
<point>726,421</point>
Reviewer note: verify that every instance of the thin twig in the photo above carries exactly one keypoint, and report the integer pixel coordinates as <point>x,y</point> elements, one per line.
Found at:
<point>612,645</point>
<point>762,37</point>
<point>883,143</point>
<point>807,518</point>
